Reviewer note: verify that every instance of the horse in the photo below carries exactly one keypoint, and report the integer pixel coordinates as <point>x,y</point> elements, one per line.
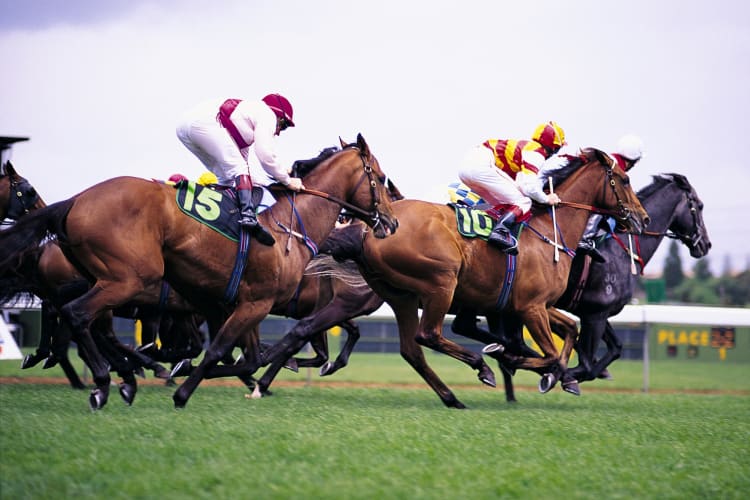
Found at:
<point>429,265</point>
<point>676,211</point>
<point>17,195</point>
<point>598,291</point>
<point>127,235</point>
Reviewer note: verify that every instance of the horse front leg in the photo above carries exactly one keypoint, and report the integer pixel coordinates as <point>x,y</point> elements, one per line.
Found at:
<point>565,327</point>
<point>614,350</point>
<point>243,321</point>
<point>406,312</point>
<point>536,319</point>
<point>430,334</point>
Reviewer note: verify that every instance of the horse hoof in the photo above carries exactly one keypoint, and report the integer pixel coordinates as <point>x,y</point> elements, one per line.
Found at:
<point>97,399</point>
<point>179,401</point>
<point>49,363</point>
<point>144,347</point>
<point>291,364</point>
<point>181,369</point>
<point>29,361</point>
<point>487,377</point>
<point>127,392</point>
<point>162,373</point>
<point>572,387</point>
<point>139,371</point>
<point>495,347</point>
<point>326,369</point>
<point>547,382</point>
<point>605,375</point>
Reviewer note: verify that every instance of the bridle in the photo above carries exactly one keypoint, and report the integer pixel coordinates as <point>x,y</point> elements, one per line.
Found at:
<point>373,215</point>
<point>622,213</point>
<point>22,196</point>
<point>691,240</point>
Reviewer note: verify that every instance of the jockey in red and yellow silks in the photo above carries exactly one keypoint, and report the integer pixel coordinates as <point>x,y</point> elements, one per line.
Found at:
<point>505,173</point>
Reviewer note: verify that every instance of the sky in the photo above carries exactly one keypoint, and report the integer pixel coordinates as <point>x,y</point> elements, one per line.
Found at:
<point>99,87</point>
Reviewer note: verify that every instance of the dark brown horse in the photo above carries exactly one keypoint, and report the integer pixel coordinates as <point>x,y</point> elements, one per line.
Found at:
<point>127,235</point>
<point>17,195</point>
<point>429,265</point>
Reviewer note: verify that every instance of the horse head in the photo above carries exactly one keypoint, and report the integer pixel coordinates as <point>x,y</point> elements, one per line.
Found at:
<point>616,196</point>
<point>687,224</point>
<point>369,197</point>
<point>17,195</point>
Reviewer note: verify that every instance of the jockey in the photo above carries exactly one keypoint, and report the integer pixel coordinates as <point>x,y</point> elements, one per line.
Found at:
<point>504,172</point>
<point>220,133</point>
<point>628,152</point>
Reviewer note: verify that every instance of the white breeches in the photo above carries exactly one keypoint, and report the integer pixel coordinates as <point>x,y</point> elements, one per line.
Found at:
<point>215,148</point>
<point>478,171</point>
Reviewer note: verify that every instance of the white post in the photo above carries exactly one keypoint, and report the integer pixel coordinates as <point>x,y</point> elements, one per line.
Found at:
<point>645,357</point>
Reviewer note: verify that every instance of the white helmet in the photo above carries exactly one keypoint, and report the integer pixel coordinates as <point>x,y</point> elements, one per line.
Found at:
<point>630,146</point>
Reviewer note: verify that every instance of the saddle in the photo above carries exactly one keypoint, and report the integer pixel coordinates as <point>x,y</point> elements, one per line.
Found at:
<point>214,206</point>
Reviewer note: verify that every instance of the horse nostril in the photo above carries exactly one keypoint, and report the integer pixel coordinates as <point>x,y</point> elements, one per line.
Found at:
<point>646,220</point>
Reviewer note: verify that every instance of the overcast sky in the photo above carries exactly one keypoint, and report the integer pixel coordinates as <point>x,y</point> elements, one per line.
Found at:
<point>98,86</point>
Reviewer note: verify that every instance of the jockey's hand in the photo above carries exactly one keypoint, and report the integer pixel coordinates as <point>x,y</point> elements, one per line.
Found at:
<point>553,199</point>
<point>295,184</point>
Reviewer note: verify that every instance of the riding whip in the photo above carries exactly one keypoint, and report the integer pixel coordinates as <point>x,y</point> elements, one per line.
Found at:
<point>554,222</point>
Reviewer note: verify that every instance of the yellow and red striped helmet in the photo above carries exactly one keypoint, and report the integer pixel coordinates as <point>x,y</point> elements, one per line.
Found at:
<point>549,134</point>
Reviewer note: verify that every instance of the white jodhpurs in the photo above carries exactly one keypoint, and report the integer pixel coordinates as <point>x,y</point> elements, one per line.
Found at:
<point>213,146</point>
<point>478,171</point>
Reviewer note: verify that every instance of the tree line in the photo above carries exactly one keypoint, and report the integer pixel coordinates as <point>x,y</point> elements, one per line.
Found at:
<point>701,287</point>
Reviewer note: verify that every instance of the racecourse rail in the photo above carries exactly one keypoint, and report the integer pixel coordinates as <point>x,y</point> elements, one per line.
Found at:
<point>648,332</point>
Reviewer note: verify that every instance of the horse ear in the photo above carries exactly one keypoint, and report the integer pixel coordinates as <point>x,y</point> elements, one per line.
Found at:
<point>10,169</point>
<point>602,157</point>
<point>341,141</point>
<point>362,145</point>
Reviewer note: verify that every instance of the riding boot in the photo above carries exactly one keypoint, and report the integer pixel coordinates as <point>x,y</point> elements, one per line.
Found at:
<point>500,235</point>
<point>244,187</point>
<point>586,245</point>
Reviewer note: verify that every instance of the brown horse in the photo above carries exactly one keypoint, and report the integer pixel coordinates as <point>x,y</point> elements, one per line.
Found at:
<point>429,265</point>
<point>127,235</point>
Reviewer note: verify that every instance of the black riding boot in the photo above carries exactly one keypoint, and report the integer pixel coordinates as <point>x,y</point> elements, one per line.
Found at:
<point>586,245</point>
<point>501,237</point>
<point>247,211</point>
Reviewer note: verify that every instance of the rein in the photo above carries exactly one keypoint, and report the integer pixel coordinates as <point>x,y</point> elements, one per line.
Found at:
<point>372,215</point>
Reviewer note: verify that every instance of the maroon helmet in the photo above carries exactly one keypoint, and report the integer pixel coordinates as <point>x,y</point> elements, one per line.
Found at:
<point>281,107</point>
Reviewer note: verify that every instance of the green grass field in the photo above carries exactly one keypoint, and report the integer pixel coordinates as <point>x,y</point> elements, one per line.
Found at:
<point>386,441</point>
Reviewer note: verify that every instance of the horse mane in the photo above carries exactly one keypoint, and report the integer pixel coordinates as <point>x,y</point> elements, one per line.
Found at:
<point>660,180</point>
<point>304,167</point>
<point>572,164</point>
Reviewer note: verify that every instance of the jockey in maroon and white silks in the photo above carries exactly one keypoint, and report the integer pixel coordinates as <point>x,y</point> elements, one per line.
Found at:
<point>221,132</point>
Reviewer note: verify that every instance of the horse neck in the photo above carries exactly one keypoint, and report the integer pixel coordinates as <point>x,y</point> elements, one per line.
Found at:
<point>578,189</point>
<point>660,206</point>
<point>318,216</point>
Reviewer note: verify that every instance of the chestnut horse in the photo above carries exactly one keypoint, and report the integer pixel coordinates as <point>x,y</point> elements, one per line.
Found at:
<point>429,265</point>
<point>127,235</point>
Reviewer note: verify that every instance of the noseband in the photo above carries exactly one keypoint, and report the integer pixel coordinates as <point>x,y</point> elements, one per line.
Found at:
<point>22,196</point>
<point>691,240</point>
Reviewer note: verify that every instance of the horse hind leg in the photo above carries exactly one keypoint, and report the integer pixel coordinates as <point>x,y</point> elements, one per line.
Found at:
<point>352,337</point>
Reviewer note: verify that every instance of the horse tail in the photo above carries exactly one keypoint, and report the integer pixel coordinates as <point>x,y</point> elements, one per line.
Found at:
<point>22,240</point>
<point>347,272</point>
